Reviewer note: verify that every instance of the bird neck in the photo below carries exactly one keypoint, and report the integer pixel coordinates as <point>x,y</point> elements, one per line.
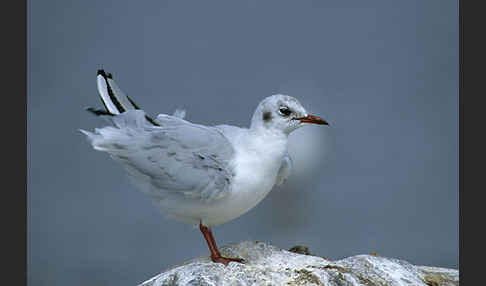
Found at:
<point>261,131</point>
<point>267,143</point>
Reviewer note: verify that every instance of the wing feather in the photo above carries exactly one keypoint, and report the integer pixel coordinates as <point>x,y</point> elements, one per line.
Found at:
<point>285,170</point>
<point>178,157</point>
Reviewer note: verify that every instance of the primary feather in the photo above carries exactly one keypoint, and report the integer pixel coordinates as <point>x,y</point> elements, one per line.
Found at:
<point>113,98</point>
<point>111,95</point>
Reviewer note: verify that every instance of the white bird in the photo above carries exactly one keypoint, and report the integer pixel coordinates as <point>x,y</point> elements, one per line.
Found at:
<point>197,174</point>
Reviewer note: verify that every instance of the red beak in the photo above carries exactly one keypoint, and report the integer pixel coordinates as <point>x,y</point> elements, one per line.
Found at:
<point>312,119</point>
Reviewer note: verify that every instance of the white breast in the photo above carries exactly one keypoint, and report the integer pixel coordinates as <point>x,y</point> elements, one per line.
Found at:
<point>257,162</point>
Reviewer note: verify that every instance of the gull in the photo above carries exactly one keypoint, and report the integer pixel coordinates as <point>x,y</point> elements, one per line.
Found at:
<point>197,174</point>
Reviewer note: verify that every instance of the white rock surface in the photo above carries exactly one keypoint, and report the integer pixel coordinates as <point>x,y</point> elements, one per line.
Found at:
<point>269,265</point>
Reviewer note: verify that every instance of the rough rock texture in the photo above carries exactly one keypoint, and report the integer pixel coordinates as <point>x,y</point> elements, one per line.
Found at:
<point>269,265</point>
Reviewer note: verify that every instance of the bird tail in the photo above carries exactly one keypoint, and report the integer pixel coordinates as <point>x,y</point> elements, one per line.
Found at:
<point>113,98</point>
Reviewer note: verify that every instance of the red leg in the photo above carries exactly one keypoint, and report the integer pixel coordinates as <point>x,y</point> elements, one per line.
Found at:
<point>215,255</point>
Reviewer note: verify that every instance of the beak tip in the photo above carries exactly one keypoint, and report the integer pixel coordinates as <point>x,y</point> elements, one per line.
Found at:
<point>313,119</point>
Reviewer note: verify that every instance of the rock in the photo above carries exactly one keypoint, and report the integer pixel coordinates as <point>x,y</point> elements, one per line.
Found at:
<point>269,265</point>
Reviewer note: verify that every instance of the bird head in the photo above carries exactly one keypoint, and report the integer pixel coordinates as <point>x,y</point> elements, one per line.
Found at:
<point>282,113</point>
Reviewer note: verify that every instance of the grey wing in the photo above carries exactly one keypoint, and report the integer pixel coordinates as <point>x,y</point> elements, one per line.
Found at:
<point>285,170</point>
<point>176,158</point>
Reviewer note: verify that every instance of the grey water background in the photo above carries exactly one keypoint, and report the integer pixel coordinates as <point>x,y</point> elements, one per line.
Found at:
<point>383,177</point>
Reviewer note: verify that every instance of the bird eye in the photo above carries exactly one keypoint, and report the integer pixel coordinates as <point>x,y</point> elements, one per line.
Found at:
<point>285,111</point>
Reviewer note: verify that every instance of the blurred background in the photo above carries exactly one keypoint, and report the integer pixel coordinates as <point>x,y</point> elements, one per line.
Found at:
<point>382,177</point>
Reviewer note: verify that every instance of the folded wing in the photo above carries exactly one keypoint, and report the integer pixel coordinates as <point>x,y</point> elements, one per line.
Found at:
<point>175,158</point>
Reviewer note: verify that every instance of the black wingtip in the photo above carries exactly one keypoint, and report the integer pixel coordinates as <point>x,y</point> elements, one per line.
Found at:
<point>103,74</point>
<point>151,121</point>
<point>133,103</point>
<point>98,112</point>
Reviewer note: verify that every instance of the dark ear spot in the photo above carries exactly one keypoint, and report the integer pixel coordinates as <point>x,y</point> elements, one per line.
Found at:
<point>267,116</point>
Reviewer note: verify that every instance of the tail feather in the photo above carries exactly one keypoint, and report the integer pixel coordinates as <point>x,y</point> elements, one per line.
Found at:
<point>113,98</point>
